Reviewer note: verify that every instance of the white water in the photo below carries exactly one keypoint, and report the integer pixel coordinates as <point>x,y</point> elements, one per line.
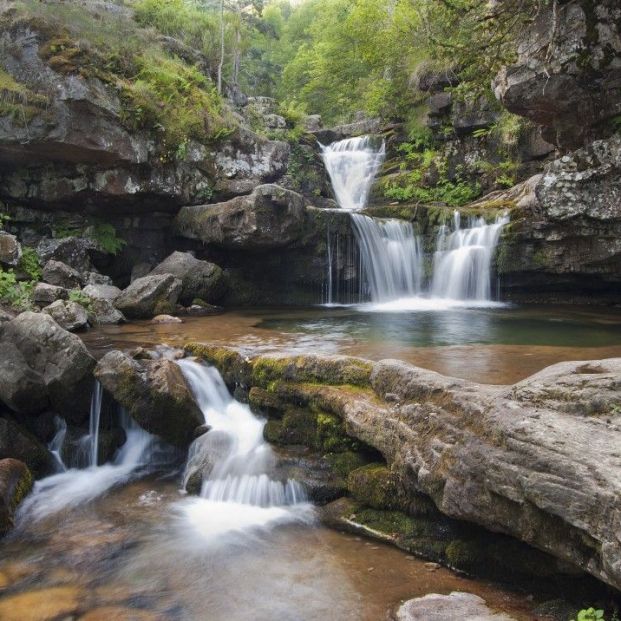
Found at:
<point>352,165</point>
<point>391,267</point>
<point>238,495</point>
<point>56,444</point>
<point>74,487</point>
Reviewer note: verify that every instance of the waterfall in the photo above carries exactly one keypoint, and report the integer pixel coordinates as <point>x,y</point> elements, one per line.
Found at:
<point>237,493</point>
<point>56,444</point>
<point>390,256</point>
<point>462,261</point>
<point>391,269</point>
<point>352,165</point>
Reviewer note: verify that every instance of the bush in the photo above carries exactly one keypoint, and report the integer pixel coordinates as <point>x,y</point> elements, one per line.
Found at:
<point>16,294</point>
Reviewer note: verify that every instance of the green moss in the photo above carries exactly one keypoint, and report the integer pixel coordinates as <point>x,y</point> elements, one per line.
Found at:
<point>266,370</point>
<point>331,436</point>
<point>22,489</point>
<point>464,555</point>
<point>375,486</point>
<point>343,463</point>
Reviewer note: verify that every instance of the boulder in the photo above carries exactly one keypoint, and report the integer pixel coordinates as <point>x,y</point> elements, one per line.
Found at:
<point>62,275</point>
<point>154,393</point>
<point>19,444</point>
<point>44,294</point>
<point>15,483</point>
<point>95,278</point>
<point>68,315</point>
<point>457,605</point>
<point>166,319</point>
<point>59,357</point>
<point>21,388</point>
<point>271,217</point>
<point>102,292</point>
<point>10,250</point>
<point>72,251</point>
<point>101,312</point>
<point>200,279</point>
<point>150,295</point>
<point>139,270</point>
<point>312,122</point>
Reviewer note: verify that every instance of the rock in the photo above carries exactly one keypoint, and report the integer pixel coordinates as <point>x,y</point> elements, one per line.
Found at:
<point>10,250</point>
<point>270,217</point>
<point>154,393</point>
<point>101,312</point>
<point>204,453</point>
<point>15,483</point>
<point>572,92</point>
<point>72,251</point>
<point>119,613</point>
<point>21,388</point>
<point>313,123</point>
<point>357,128</point>
<point>139,270</point>
<point>537,461</point>
<point>68,315</point>
<point>203,310</point>
<point>62,275</point>
<point>375,486</point>
<point>18,444</point>
<point>6,315</point>
<point>45,294</point>
<point>150,295</point>
<point>102,292</point>
<point>60,358</point>
<point>457,605</point>
<point>95,278</point>
<point>46,604</point>
<point>166,319</point>
<point>200,279</point>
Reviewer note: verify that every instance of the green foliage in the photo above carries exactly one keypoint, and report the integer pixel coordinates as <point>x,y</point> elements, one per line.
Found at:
<point>615,121</point>
<point>104,234</point>
<point>14,293</point>
<point>590,614</point>
<point>30,263</point>
<point>75,295</point>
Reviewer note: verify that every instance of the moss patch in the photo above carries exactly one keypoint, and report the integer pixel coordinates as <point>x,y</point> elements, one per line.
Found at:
<point>375,486</point>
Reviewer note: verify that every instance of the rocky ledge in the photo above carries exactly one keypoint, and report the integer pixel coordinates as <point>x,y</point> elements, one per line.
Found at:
<point>538,460</point>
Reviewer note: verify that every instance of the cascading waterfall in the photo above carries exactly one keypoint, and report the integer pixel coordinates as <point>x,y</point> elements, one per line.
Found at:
<point>238,493</point>
<point>352,165</point>
<point>391,269</point>
<point>56,444</point>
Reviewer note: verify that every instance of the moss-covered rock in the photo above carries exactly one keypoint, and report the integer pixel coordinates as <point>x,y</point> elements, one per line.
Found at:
<point>375,486</point>
<point>15,483</point>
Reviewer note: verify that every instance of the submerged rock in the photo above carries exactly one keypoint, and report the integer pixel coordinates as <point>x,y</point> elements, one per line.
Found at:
<point>150,295</point>
<point>15,483</point>
<point>457,605</point>
<point>68,315</point>
<point>48,361</point>
<point>154,393</point>
<point>199,279</point>
<point>166,319</point>
<point>59,602</point>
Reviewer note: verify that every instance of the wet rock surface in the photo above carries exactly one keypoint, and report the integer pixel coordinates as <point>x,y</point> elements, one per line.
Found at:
<point>434,607</point>
<point>15,483</point>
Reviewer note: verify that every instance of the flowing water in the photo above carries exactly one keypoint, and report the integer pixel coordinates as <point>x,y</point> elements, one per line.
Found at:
<point>391,272</point>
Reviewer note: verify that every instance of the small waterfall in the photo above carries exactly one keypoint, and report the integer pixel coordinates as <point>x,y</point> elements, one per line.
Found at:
<point>392,263</point>
<point>238,492</point>
<point>462,261</point>
<point>56,444</point>
<point>391,257</point>
<point>352,165</point>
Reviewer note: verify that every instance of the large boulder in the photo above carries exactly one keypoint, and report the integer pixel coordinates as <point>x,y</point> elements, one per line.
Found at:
<point>45,294</point>
<point>10,249</point>
<point>58,358</point>
<point>21,388</point>
<point>73,251</point>
<point>68,315</point>
<point>151,295</point>
<point>537,461</point>
<point>199,279</point>
<point>62,275</point>
<point>154,393</point>
<point>15,483</point>
<point>101,312</point>
<point>102,292</point>
<point>270,217</point>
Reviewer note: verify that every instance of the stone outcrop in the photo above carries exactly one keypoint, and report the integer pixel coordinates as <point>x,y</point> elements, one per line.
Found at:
<point>199,279</point>
<point>44,365</point>
<point>567,76</point>
<point>536,461</point>
<point>155,394</point>
<point>15,483</point>
<point>150,295</point>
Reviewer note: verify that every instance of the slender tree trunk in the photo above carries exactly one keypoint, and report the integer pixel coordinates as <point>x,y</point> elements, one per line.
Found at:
<point>221,64</point>
<point>237,57</point>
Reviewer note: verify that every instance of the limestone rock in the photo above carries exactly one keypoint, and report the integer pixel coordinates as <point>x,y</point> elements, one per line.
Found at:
<point>270,217</point>
<point>200,279</point>
<point>457,605</point>
<point>68,315</point>
<point>150,295</point>
<point>62,275</point>
<point>154,393</point>
<point>45,294</point>
<point>15,483</point>
<point>59,357</point>
<point>10,249</point>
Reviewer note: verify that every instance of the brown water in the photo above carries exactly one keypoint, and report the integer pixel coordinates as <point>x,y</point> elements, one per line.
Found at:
<point>496,346</point>
<point>129,552</point>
